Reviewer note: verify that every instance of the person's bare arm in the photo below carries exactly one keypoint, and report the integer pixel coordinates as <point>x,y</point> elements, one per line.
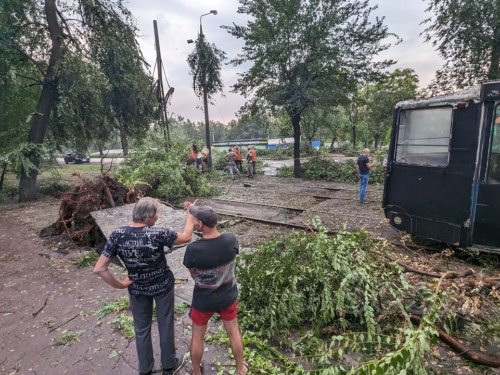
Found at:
<point>101,269</point>
<point>185,237</point>
<point>369,165</point>
<point>192,271</point>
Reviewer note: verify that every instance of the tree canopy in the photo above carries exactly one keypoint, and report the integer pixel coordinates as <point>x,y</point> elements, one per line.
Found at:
<point>380,99</point>
<point>467,35</point>
<point>307,53</point>
<point>90,76</point>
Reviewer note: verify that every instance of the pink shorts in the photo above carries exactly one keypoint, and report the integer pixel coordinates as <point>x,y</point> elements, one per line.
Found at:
<point>201,318</point>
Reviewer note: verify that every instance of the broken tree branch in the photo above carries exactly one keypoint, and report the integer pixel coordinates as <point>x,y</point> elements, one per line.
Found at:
<point>461,349</point>
<point>406,268</point>
<point>63,323</point>
<point>41,308</point>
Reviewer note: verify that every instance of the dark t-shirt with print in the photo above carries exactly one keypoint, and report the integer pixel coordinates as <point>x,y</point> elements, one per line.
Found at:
<point>214,259</point>
<point>141,249</point>
<point>362,161</point>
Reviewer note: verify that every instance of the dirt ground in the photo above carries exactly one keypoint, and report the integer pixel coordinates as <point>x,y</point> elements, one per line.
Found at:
<point>44,296</point>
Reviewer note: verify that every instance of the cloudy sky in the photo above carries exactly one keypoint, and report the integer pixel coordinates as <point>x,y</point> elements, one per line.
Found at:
<point>179,20</point>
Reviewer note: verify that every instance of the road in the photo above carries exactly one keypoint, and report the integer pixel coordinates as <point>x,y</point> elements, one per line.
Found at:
<point>97,161</point>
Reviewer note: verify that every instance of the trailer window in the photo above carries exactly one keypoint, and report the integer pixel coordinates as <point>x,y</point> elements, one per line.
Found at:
<point>424,136</point>
<point>494,165</point>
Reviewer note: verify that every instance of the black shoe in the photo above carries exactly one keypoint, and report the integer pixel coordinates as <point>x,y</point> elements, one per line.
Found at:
<point>178,364</point>
<point>146,373</point>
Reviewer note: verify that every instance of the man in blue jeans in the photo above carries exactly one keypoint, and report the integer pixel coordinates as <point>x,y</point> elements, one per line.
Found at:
<point>363,168</point>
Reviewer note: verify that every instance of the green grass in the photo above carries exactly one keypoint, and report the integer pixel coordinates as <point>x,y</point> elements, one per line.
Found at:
<point>53,178</point>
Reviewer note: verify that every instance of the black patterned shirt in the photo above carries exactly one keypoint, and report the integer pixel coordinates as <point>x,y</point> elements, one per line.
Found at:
<point>141,249</point>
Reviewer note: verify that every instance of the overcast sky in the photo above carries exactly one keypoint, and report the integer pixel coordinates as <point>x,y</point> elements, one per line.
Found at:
<point>179,20</point>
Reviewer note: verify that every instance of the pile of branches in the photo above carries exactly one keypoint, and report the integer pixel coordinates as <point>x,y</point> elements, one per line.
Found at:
<point>76,206</point>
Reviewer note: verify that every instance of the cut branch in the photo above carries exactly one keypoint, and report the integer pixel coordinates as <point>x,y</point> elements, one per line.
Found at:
<point>461,349</point>
<point>63,323</point>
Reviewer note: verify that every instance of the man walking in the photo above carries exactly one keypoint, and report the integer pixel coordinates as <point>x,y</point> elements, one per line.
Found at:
<point>363,168</point>
<point>211,261</point>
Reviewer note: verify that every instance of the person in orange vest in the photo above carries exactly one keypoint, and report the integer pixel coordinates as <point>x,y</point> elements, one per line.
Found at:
<point>191,153</point>
<point>249,159</point>
<point>238,158</point>
<point>254,159</point>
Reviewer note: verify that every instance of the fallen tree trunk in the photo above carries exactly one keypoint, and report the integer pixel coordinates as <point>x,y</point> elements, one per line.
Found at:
<point>461,349</point>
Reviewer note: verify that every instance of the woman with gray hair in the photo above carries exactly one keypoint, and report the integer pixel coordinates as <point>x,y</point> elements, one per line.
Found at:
<point>140,246</point>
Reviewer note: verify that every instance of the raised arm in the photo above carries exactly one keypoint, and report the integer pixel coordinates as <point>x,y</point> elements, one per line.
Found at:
<point>185,236</point>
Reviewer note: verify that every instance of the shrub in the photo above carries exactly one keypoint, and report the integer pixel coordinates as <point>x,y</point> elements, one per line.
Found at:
<point>320,167</point>
<point>315,284</point>
<point>176,179</point>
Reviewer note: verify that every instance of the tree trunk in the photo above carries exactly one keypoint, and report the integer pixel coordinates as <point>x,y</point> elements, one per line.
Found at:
<point>101,154</point>
<point>354,136</point>
<point>376,139</point>
<point>296,146</point>
<point>124,142</point>
<point>494,70</point>
<point>40,119</point>
<point>4,169</point>
<point>333,141</point>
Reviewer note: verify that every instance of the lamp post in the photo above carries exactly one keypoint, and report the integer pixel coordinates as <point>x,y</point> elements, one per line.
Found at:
<point>204,84</point>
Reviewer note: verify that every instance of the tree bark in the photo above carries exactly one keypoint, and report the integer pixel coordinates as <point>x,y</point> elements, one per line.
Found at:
<point>296,146</point>
<point>40,119</point>
<point>494,69</point>
<point>461,349</point>
<point>4,169</point>
<point>124,142</point>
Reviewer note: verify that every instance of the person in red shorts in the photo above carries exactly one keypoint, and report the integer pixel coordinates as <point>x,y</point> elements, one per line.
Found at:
<point>211,262</point>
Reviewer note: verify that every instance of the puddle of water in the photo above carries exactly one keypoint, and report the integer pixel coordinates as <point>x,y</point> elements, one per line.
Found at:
<point>271,166</point>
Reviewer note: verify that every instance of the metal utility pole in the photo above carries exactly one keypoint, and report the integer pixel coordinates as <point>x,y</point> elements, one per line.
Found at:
<point>162,98</point>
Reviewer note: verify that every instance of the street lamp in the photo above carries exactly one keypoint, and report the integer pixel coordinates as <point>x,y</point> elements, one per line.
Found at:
<point>205,94</point>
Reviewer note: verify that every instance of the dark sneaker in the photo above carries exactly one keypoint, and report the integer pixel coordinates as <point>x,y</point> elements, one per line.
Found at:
<point>179,362</point>
<point>146,373</point>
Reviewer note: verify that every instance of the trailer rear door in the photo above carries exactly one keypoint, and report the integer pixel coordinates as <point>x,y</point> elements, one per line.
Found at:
<point>486,230</point>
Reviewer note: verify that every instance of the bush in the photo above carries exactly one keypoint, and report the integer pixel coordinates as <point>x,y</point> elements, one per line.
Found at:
<point>177,180</point>
<point>315,284</point>
<point>286,152</point>
<point>319,167</point>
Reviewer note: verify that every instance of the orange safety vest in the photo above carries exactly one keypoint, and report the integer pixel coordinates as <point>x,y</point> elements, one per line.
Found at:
<point>237,155</point>
<point>254,155</point>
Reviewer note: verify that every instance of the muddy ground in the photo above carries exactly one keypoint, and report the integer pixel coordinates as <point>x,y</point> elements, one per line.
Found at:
<point>44,296</point>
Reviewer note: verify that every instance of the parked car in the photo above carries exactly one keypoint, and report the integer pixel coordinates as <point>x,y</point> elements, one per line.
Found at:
<point>76,158</point>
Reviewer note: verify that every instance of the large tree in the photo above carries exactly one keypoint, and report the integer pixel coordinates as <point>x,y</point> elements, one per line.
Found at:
<point>467,35</point>
<point>307,53</point>
<point>64,43</point>
<point>205,64</point>
<point>380,99</point>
